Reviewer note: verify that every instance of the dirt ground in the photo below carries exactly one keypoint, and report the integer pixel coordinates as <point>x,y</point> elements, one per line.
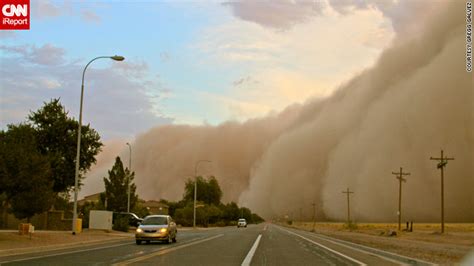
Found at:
<point>425,242</point>
<point>11,242</point>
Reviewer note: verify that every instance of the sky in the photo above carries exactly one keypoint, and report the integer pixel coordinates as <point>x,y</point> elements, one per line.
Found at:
<point>187,62</point>
<point>282,96</point>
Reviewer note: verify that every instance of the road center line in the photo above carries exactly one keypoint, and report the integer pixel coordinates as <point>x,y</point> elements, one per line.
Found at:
<point>164,251</point>
<point>323,246</point>
<point>249,256</point>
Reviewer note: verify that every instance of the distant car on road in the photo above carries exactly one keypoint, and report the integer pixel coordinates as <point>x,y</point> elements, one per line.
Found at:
<point>156,228</point>
<point>133,219</point>
<point>242,223</point>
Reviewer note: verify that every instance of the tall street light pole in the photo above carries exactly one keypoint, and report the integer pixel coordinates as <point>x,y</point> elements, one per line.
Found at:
<point>129,175</point>
<point>195,188</point>
<point>76,177</point>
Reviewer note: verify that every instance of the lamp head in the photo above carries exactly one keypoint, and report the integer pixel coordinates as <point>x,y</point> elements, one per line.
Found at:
<point>117,58</point>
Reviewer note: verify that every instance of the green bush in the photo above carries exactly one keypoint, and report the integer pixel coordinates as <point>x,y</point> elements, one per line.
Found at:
<point>140,211</point>
<point>184,216</point>
<point>221,223</point>
<point>121,224</point>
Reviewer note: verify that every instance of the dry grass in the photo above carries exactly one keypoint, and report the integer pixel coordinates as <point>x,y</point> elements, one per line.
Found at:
<point>425,242</point>
<point>425,227</point>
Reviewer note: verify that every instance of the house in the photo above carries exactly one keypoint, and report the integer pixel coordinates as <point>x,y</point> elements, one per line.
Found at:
<point>155,207</point>
<point>91,198</point>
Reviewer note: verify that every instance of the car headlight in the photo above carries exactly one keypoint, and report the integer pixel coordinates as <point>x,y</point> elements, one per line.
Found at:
<point>163,230</point>
<point>139,230</point>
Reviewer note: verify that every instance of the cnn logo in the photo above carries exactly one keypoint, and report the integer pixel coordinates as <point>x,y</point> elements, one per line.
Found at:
<point>15,14</point>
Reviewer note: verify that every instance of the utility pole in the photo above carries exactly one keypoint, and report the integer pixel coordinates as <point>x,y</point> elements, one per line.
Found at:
<point>401,179</point>
<point>348,192</point>
<point>314,215</point>
<point>443,161</point>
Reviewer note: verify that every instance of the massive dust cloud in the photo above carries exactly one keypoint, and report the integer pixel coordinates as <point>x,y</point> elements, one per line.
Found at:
<point>416,100</point>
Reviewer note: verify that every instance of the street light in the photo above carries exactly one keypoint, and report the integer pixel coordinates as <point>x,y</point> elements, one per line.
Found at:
<point>195,189</point>
<point>129,174</point>
<point>76,177</point>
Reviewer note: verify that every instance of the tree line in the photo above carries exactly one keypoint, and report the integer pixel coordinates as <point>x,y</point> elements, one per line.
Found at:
<point>210,210</point>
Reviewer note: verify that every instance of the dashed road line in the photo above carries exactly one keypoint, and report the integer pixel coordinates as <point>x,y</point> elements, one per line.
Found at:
<point>249,256</point>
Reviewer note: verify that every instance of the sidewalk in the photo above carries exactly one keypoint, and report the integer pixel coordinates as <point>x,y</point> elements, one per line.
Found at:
<point>12,243</point>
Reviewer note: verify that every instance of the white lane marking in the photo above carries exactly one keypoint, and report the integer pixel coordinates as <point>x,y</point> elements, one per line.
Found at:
<point>320,245</point>
<point>361,250</point>
<point>249,256</point>
<point>164,251</point>
<point>63,253</point>
<point>362,247</point>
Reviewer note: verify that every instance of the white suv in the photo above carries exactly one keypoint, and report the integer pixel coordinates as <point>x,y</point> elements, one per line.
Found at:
<point>241,223</point>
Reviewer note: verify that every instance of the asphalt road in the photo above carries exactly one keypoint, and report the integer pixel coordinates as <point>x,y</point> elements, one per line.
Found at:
<point>263,244</point>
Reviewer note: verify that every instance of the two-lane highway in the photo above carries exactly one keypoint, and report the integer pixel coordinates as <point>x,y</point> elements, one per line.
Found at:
<point>264,244</point>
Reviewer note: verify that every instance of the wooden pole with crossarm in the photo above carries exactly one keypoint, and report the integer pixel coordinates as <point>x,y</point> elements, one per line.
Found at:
<point>401,179</point>
<point>443,161</point>
<point>348,206</point>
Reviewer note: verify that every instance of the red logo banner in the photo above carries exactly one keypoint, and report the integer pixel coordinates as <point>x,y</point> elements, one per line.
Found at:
<point>14,14</point>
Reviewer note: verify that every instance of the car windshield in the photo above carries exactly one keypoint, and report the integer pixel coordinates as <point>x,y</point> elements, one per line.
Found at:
<point>155,221</point>
<point>241,220</point>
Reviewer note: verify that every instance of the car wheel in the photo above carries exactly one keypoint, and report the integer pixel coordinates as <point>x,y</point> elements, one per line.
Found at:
<point>138,242</point>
